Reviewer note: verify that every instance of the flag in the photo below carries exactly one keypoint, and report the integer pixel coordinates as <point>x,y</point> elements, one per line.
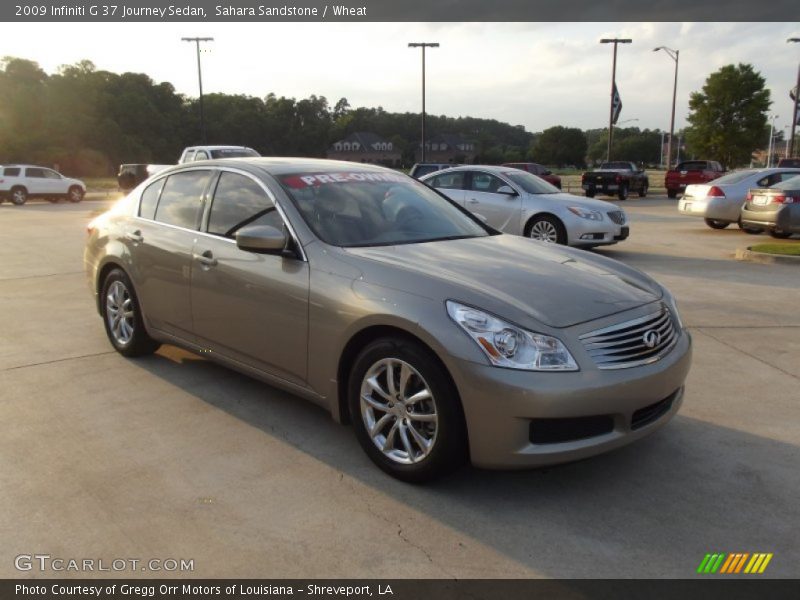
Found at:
<point>616,105</point>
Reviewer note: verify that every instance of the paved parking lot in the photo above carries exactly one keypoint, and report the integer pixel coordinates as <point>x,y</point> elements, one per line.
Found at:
<point>174,457</point>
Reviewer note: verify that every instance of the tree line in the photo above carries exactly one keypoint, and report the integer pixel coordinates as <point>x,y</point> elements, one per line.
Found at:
<point>88,121</point>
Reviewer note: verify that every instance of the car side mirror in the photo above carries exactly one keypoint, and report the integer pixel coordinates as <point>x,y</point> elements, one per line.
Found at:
<point>262,239</point>
<point>507,190</point>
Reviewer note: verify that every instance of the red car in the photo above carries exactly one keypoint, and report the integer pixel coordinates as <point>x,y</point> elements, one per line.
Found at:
<point>538,170</point>
<point>689,172</point>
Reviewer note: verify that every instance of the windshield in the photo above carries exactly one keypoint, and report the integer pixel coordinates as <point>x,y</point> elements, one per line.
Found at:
<point>233,153</point>
<point>531,183</point>
<point>736,176</point>
<point>373,208</point>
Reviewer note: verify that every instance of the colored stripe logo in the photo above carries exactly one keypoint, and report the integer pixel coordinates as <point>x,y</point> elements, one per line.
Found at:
<point>734,563</point>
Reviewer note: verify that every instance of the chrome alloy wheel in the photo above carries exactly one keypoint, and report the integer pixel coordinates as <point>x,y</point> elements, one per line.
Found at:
<point>399,411</point>
<point>544,231</point>
<point>119,313</point>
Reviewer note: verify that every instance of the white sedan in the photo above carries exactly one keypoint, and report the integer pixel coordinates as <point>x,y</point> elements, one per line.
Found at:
<point>516,202</point>
<point>720,201</point>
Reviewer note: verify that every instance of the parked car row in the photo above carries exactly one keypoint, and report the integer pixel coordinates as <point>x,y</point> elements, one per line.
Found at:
<point>720,202</point>
<point>20,182</point>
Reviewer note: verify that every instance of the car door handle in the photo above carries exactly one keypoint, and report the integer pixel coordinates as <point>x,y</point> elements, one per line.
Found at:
<point>135,236</point>
<point>206,259</point>
<point>473,201</point>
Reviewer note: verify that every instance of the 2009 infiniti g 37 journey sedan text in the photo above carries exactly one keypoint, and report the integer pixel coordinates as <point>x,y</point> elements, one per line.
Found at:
<point>374,296</point>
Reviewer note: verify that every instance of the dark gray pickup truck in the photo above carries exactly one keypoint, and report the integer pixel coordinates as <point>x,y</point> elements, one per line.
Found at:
<point>616,178</point>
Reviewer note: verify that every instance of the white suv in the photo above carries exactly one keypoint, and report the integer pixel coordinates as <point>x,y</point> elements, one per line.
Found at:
<point>20,182</point>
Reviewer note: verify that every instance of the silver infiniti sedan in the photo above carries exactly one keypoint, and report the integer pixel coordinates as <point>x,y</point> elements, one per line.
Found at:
<point>439,338</point>
<point>517,202</point>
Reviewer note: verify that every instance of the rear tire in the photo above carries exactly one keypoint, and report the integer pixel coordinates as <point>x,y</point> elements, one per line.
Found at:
<point>590,193</point>
<point>405,411</point>
<point>780,235</point>
<point>672,193</point>
<point>122,317</point>
<point>715,224</point>
<point>643,190</point>
<point>622,193</point>
<point>19,195</point>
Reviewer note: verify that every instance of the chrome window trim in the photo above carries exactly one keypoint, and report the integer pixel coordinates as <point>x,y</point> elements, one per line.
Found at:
<point>216,172</point>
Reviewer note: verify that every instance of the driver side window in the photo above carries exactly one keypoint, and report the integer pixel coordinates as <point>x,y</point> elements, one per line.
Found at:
<point>240,201</point>
<point>483,182</point>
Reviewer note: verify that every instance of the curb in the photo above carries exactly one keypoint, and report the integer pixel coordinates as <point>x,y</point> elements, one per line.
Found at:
<point>746,254</point>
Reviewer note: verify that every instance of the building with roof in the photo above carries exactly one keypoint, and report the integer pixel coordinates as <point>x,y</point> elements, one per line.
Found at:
<point>449,148</point>
<point>365,147</point>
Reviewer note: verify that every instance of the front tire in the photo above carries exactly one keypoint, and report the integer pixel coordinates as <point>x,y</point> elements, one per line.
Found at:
<point>715,224</point>
<point>75,194</point>
<point>406,413</point>
<point>546,228</point>
<point>19,195</point>
<point>122,317</point>
<point>643,190</point>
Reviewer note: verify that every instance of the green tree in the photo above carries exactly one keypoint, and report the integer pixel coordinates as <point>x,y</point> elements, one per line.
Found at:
<point>728,118</point>
<point>560,146</point>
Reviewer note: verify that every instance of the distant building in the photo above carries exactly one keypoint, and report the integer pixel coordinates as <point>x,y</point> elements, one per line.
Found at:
<point>448,148</point>
<point>365,147</point>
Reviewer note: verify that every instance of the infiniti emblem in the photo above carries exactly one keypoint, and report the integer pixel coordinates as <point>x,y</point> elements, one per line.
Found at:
<point>651,338</point>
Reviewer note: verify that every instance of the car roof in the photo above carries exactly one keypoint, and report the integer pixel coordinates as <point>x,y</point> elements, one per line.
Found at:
<point>282,165</point>
<point>498,169</point>
<point>214,147</point>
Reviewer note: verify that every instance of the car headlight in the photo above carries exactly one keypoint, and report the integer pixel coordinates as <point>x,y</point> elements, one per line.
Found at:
<point>506,345</point>
<point>673,308</point>
<point>583,213</point>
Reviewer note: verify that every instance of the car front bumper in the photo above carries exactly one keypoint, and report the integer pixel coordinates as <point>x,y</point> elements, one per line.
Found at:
<point>583,232</point>
<point>589,411</point>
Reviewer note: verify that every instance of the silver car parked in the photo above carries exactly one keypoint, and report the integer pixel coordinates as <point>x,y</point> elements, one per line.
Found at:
<point>517,202</point>
<point>372,295</point>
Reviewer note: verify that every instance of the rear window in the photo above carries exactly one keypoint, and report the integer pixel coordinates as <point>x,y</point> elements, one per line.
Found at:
<point>789,184</point>
<point>693,165</point>
<point>233,153</point>
<point>11,172</point>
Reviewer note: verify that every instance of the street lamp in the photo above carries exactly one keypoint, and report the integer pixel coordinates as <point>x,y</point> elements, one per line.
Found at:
<point>771,135</point>
<point>796,98</point>
<point>614,41</point>
<point>197,41</point>
<point>423,45</point>
<point>674,55</point>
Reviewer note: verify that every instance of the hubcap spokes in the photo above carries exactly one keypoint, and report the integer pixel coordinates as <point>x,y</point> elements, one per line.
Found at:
<point>119,312</point>
<point>544,231</point>
<point>399,411</point>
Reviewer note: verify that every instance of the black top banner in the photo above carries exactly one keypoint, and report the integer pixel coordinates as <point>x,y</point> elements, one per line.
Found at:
<point>394,10</point>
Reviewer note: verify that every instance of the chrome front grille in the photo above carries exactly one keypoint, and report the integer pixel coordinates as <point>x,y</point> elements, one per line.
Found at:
<point>632,343</point>
<point>617,216</point>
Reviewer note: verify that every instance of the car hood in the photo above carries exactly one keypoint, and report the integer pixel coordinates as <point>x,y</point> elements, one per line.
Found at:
<point>514,277</point>
<point>573,200</point>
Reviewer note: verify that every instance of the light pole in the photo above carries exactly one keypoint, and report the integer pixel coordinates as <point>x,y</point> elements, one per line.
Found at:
<point>423,45</point>
<point>614,41</point>
<point>197,41</point>
<point>674,55</point>
<point>661,155</point>
<point>786,143</point>
<point>771,134</point>
<point>796,98</point>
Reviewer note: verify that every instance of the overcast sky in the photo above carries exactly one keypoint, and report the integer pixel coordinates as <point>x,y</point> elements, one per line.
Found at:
<point>534,74</point>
